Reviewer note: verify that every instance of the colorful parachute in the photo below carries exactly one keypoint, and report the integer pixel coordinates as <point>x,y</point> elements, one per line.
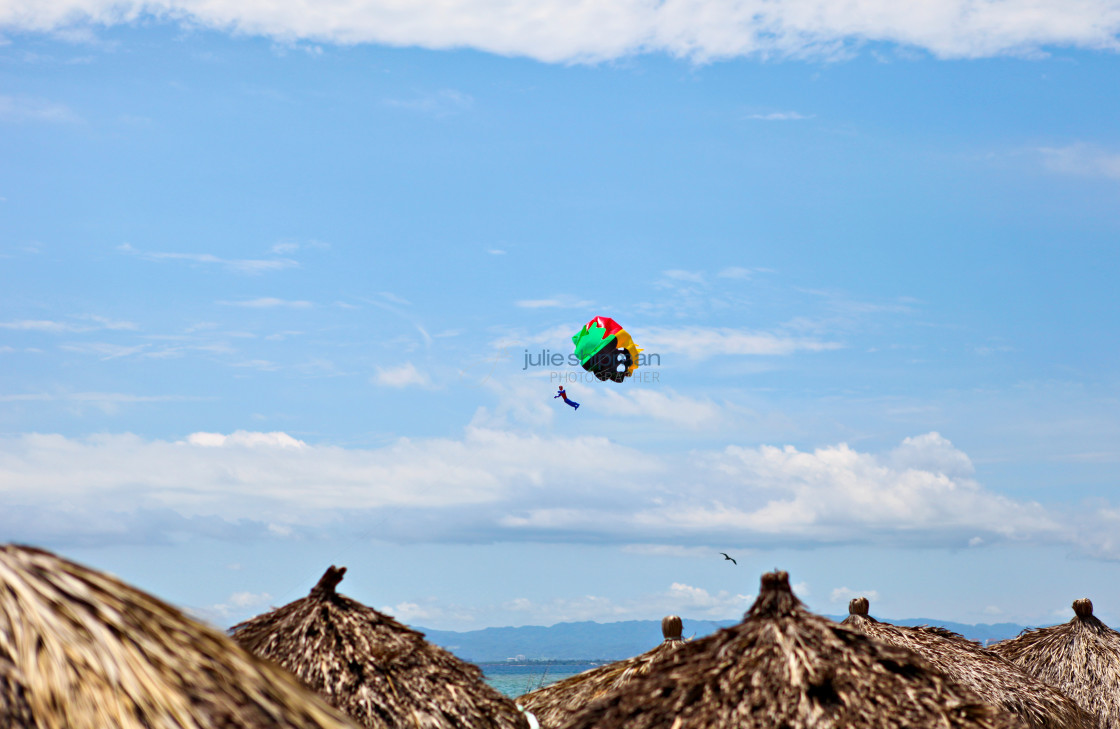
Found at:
<point>606,350</point>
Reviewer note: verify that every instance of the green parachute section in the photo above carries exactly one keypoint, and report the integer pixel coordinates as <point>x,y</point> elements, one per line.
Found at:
<point>606,350</point>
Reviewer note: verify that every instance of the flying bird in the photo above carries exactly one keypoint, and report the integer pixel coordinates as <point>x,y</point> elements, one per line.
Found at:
<point>727,557</point>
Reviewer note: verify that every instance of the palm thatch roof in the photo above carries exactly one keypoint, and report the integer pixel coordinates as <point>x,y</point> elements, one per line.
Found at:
<point>1081,657</point>
<point>1034,704</point>
<point>14,709</point>
<point>380,672</point>
<point>82,650</point>
<point>784,667</point>
<point>553,705</point>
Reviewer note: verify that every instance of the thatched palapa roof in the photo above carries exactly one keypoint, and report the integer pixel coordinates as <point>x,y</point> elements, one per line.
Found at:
<point>1034,704</point>
<point>784,667</point>
<point>1081,657</point>
<point>555,704</point>
<point>82,650</point>
<point>380,672</point>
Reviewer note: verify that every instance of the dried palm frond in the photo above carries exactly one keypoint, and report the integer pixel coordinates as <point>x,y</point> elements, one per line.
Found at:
<point>1081,657</point>
<point>553,705</point>
<point>1033,703</point>
<point>786,668</point>
<point>380,672</point>
<point>80,649</point>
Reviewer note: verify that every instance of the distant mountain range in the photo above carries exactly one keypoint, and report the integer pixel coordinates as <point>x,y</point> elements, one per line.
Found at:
<point>589,640</point>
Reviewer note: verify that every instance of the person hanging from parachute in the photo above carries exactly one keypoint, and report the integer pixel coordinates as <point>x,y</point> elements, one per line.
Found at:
<point>606,350</point>
<point>562,393</point>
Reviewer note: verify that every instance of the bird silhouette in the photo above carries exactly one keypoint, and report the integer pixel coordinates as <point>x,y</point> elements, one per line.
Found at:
<point>727,557</point>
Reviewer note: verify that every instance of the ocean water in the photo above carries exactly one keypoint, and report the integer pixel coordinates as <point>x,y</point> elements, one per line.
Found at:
<point>514,679</point>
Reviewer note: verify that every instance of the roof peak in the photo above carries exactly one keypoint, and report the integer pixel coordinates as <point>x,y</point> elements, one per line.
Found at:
<point>775,598</point>
<point>859,606</point>
<point>672,628</point>
<point>330,579</point>
<point>1083,608</point>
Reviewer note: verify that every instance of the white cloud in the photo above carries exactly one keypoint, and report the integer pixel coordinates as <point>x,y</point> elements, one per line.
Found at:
<point>122,488</point>
<point>405,375</point>
<point>429,610</point>
<point>248,599</point>
<point>106,402</point>
<point>268,302</point>
<point>687,276</point>
<point>698,343</point>
<point>670,550</point>
<point>561,301</point>
<point>104,350</point>
<point>38,325</point>
<point>842,595</point>
<point>263,365</point>
<point>780,116</point>
<point>574,609</point>
<point>558,31</point>
<point>507,484</point>
<point>82,36</point>
<point>250,266</point>
<point>107,323</point>
<point>411,612</point>
<point>390,296</point>
<point>175,351</point>
<point>839,495</point>
<point>288,246</point>
<point>10,250</point>
<point>245,439</point>
<point>679,598</point>
<point>511,344</point>
<point>738,272</point>
<point>444,102</point>
<point>24,109</point>
<point>931,453</point>
<point>1084,160</point>
<point>666,405</point>
<point>691,600</point>
<point>282,336</point>
<point>519,404</point>
<point>58,327</point>
<point>521,604</point>
<point>237,605</point>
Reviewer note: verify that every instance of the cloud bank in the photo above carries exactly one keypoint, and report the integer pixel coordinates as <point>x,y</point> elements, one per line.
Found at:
<point>560,31</point>
<point>495,484</point>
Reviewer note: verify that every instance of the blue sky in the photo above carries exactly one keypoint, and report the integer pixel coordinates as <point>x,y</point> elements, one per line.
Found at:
<point>268,277</point>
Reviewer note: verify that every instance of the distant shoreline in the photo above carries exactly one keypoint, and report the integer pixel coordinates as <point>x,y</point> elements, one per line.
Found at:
<point>567,643</point>
<point>546,662</point>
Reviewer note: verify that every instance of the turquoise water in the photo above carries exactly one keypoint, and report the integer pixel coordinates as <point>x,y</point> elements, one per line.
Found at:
<point>514,679</point>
